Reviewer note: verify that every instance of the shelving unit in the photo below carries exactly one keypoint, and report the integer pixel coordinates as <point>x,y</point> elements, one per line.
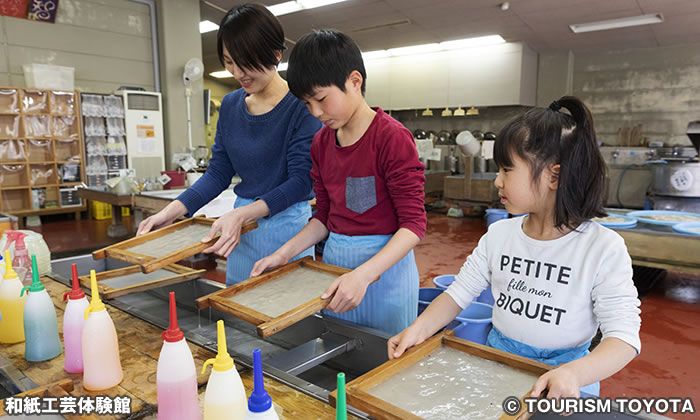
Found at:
<point>41,152</point>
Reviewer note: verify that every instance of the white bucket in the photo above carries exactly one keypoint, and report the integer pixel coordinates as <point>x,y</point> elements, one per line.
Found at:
<point>468,144</point>
<point>192,177</point>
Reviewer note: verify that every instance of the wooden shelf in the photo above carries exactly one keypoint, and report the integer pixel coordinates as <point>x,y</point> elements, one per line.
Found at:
<point>46,212</point>
<point>21,187</point>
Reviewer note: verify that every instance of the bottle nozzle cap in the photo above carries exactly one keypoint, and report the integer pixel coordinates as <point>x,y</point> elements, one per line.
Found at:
<point>96,304</point>
<point>341,411</point>
<point>36,285</point>
<point>9,271</point>
<point>259,400</point>
<point>223,361</point>
<point>173,334</point>
<point>76,292</point>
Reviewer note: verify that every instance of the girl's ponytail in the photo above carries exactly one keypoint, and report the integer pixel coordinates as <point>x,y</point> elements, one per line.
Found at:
<point>582,168</point>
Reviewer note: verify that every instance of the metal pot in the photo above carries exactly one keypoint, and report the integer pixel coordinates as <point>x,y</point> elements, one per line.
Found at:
<point>678,179</point>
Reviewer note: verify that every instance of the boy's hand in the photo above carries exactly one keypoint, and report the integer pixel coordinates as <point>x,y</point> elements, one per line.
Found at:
<point>398,344</point>
<point>268,263</point>
<point>347,292</point>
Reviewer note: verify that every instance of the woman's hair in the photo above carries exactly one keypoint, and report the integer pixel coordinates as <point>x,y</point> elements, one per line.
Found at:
<point>252,35</point>
<point>547,136</point>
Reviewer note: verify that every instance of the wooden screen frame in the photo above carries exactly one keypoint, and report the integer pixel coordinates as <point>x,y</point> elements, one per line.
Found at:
<point>357,392</point>
<point>180,274</point>
<point>267,325</point>
<point>150,264</point>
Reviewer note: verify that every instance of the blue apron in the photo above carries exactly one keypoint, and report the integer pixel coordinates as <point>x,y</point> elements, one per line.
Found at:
<point>391,303</point>
<point>556,357</point>
<point>268,237</point>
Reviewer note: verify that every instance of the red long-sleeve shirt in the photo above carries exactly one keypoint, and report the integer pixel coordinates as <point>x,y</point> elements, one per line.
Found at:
<point>373,187</point>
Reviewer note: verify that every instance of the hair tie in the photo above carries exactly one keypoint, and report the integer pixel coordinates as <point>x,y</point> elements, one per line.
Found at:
<point>555,106</point>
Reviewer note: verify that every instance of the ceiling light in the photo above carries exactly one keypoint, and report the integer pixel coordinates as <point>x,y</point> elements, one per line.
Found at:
<point>472,111</point>
<point>285,8</point>
<point>459,112</point>
<point>505,5</point>
<point>447,112</point>
<point>282,66</point>
<point>207,26</point>
<point>220,74</point>
<point>414,49</point>
<point>370,55</point>
<point>298,5</point>
<point>427,113</point>
<point>604,25</point>
<point>472,42</point>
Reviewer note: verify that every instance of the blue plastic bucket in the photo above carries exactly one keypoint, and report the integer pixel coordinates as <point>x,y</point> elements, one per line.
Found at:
<point>425,296</point>
<point>476,322</point>
<point>494,215</point>
<point>443,281</point>
<point>486,297</point>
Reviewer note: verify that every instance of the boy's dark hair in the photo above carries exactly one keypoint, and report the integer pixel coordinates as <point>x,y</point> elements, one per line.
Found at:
<point>547,136</point>
<point>323,58</point>
<point>252,35</point>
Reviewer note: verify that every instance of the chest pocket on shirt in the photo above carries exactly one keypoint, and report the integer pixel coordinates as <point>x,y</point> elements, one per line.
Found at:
<point>360,194</point>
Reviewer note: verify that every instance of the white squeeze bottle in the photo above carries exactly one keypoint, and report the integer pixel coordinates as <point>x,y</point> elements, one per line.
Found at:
<point>259,404</point>
<point>73,322</point>
<point>225,396</point>
<point>176,376</point>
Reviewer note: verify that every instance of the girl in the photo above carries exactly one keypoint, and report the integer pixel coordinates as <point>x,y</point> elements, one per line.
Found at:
<point>556,276</point>
<point>264,135</point>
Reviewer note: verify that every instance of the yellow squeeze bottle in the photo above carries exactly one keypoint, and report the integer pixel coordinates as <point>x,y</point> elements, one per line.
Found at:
<point>225,397</point>
<point>11,305</point>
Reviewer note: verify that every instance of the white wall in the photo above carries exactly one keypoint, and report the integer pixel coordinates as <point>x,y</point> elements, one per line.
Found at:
<point>108,42</point>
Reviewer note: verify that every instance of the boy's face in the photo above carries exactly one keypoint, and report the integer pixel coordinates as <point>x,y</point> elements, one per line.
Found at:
<point>333,106</point>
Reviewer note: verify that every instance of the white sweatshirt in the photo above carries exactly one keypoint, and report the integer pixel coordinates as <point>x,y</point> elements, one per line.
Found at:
<point>553,294</point>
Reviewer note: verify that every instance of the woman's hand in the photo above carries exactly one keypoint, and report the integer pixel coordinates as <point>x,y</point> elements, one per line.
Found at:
<point>229,226</point>
<point>398,344</point>
<point>163,218</point>
<point>270,262</point>
<point>347,291</point>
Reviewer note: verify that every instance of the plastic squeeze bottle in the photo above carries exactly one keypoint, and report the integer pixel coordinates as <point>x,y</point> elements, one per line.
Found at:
<point>21,262</point>
<point>102,368</point>
<point>73,322</point>
<point>11,305</point>
<point>341,411</point>
<point>259,404</point>
<point>40,323</point>
<point>225,396</point>
<point>176,377</point>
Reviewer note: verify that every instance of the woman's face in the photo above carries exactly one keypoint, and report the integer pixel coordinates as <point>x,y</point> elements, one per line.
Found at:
<point>251,80</point>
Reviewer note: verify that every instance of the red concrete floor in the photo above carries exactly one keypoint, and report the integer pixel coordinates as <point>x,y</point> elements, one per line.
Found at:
<point>667,366</point>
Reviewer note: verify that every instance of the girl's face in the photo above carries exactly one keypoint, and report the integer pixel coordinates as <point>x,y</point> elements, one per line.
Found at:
<point>332,106</point>
<point>518,193</point>
<point>251,80</point>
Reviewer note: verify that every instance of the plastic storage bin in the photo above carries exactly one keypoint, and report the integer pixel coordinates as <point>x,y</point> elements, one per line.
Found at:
<point>494,215</point>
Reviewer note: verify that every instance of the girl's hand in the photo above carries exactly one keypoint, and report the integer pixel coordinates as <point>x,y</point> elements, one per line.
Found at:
<point>157,221</point>
<point>268,263</point>
<point>347,291</point>
<point>561,382</point>
<point>229,225</point>
<point>398,344</point>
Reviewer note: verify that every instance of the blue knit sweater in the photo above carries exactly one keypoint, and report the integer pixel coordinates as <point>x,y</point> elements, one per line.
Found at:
<point>270,152</point>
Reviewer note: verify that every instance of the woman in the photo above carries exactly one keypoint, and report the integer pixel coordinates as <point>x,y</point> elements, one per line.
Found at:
<point>264,135</point>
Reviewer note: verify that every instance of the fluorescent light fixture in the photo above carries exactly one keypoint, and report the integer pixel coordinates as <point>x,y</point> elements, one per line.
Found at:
<point>311,4</point>
<point>472,42</point>
<point>223,74</point>
<point>414,49</point>
<point>207,26</point>
<point>282,66</point>
<point>371,55</point>
<point>285,8</point>
<point>298,5</point>
<point>626,22</point>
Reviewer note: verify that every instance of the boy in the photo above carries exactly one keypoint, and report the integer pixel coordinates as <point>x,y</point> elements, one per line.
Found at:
<point>369,189</point>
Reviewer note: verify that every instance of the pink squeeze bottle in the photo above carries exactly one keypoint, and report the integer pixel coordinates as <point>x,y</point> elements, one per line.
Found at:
<point>176,377</point>
<point>73,321</point>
